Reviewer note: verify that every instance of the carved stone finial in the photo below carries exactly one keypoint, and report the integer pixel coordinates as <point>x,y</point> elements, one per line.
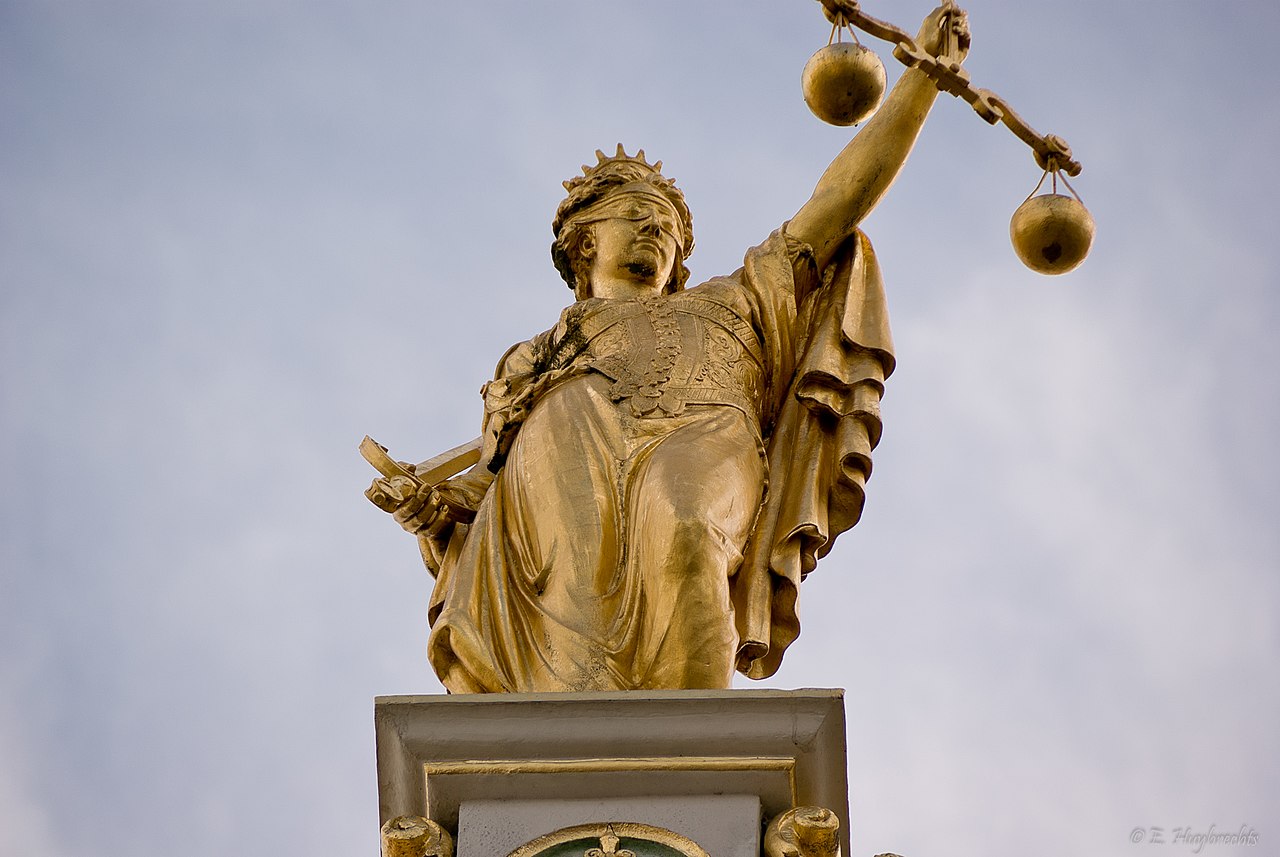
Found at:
<point>805,831</point>
<point>415,836</point>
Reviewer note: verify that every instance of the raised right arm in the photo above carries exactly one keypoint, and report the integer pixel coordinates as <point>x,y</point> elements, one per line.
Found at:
<point>859,176</point>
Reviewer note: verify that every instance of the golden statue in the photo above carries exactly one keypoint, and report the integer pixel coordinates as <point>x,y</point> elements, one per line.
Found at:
<point>659,471</point>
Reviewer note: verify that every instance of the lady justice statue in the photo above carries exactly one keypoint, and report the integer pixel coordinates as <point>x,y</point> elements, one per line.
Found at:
<point>659,471</point>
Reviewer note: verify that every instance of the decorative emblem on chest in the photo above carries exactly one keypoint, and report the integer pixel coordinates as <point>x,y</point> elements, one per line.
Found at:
<point>645,377</point>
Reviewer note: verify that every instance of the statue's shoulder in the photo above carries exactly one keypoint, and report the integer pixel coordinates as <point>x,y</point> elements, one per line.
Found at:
<point>541,351</point>
<point>716,288</point>
<point>525,357</point>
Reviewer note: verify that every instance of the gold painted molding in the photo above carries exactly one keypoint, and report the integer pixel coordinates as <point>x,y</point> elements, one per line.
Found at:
<point>653,763</point>
<point>508,767</point>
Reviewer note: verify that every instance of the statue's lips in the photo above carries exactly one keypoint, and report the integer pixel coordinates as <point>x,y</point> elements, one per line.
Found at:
<point>645,244</point>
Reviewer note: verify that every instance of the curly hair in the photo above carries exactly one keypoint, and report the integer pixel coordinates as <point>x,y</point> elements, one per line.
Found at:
<point>572,251</point>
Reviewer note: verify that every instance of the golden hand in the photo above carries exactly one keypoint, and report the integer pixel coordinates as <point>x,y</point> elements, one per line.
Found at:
<point>433,508</point>
<point>945,21</point>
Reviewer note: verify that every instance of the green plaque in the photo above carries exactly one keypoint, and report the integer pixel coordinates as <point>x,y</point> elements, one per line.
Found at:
<point>611,839</point>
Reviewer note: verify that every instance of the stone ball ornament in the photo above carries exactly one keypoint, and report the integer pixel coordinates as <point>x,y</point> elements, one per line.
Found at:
<point>1051,233</point>
<point>843,83</point>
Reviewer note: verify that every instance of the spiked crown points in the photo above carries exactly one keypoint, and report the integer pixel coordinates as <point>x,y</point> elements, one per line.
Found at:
<point>620,158</point>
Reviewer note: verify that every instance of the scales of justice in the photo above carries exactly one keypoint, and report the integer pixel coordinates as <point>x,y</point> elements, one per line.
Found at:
<point>656,474</point>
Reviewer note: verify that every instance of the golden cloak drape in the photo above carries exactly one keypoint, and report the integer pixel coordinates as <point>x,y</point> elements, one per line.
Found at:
<point>819,451</point>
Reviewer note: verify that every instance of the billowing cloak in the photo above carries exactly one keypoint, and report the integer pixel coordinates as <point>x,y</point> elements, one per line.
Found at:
<point>819,451</point>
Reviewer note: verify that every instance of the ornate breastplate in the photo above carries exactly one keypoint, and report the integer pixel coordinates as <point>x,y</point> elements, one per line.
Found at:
<point>664,353</point>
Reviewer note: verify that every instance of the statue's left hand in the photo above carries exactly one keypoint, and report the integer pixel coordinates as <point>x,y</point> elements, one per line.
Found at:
<point>932,35</point>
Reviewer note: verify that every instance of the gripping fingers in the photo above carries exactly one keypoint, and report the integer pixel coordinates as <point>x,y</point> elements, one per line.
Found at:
<point>960,28</point>
<point>391,493</point>
<point>943,24</point>
<point>419,510</point>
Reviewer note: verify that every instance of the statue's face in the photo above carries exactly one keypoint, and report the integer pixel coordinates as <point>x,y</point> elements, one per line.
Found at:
<point>638,243</point>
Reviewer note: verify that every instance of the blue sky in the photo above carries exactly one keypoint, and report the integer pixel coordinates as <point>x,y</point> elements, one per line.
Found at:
<point>235,237</point>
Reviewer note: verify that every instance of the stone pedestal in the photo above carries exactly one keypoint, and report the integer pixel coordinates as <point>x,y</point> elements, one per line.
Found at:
<point>503,769</point>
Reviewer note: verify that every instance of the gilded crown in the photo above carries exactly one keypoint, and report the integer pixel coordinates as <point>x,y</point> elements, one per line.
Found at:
<point>621,162</point>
